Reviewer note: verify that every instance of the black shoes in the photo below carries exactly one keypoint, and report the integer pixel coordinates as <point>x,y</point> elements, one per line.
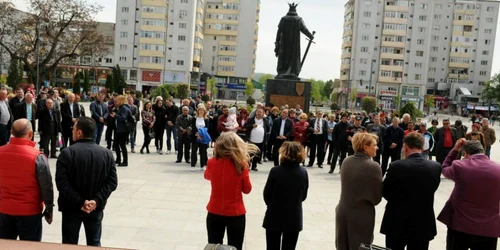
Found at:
<point>331,171</point>
<point>255,169</point>
<point>320,166</point>
<point>123,164</point>
<point>178,161</point>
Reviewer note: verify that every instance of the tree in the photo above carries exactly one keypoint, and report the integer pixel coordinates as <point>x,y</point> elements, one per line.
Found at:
<point>77,83</point>
<point>369,104</point>
<point>13,77</point>
<point>397,101</point>
<point>182,90</point>
<point>429,103</point>
<point>263,78</point>
<point>119,82</point>
<point>110,83</point>
<point>410,109</point>
<point>163,91</point>
<point>86,82</point>
<point>3,80</point>
<point>327,89</point>
<point>491,93</point>
<point>249,88</point>
<point>335,97</point>
<point>50,33</point>
<point>353,96</point>
<point>212,87</point>
<point>316,89</point>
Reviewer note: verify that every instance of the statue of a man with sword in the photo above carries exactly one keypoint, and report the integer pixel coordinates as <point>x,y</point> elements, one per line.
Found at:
<point>287,45</point>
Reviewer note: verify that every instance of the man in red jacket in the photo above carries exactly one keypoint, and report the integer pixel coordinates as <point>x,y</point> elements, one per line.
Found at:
<point>25,186</point>
<point>472,212</point>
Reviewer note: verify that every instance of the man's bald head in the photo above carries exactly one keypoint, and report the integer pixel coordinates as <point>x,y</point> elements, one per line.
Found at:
<point>22,128</point>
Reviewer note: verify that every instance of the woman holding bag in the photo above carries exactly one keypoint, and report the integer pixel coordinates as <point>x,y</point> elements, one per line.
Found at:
<point>148,122</point>
<point>200,122</point>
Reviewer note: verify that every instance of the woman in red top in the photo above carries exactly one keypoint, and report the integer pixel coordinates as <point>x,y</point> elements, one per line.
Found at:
<point>300,133</point>
<point>228,174</point>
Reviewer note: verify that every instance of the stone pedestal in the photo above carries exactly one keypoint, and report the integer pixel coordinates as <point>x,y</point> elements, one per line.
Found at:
<point>288,91</point>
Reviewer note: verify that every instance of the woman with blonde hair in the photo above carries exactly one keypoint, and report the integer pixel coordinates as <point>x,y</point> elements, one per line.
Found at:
<point>300,131</point>
<point>229,176</point>
<point>123,115</point>
<point>285,190</point>
<point>361,191</point>
<point>200,122</point>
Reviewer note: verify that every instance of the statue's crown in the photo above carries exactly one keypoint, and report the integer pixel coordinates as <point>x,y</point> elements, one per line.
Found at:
<point>293,6</point>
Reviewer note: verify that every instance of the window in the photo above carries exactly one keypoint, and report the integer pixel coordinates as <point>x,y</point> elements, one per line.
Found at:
<point>180,63</point>
<point>133,75</point>
<point>421,29</point>
<point>436,27</point>
<point>393,26</point>
<point>438,6</point>
<point>434,59</point>
<point>485,52</point>
<point>154,9</point>
<point>183,13</point>
<point>432,69</point>
<point>109,60</point>
<point>364,49</point>
<point>489,19</point>
<point>184,1</point>
<point>363,61</point>
<point>437,17</point>
<point>122,59</point>
<point>422,18</point>
<point>182,25</point>
<point>420,41</point>
<point>431,80</point>
<point>418,65</point>
<point>419,53</point>
<point>482,73</point>
<point>487,31</point>
<point>411,91</point>
<point>366,26</point>
<point>481,84</point>
<point>123,47</point>
<point>153,34</point>
<point>435,38</point>
<point>385,73</point>
<point>434,48</point>
<point>226,68</point>
<point>367,14</point>
<point>365,38</point>
<point>484,63</point>
<point>153,47</point>
<point>181,38</point>
<point>125,9</point>
<point>151,59</point>
<point>362,72</point>
<point>124,22</point>
<point>489,9</point>
<point>423,6</point>
<point>123,34</point>
<point>417,76</point>
<point>154,22</point>
<point>487,41</point>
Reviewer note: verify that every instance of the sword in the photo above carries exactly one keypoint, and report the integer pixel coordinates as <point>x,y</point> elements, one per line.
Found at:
<point>307,50</point>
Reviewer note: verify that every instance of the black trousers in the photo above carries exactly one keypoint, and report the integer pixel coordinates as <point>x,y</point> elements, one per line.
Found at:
<point>276,240</point>
<point>462,241</point>
<point>25,227</point>
<point>336,153</point>
<point>258,157</point>
<point>159,131</point>
<point>121,147</point>
<point>49,136</point>
<point>71,223</point>
<point>331,149</point>
<point>147,138</point>
<point>317,149</point>
<point>400,244</point>
<point>276,149</point>
<point>217,224</point>
<point>269,148</point>
<point>379,154</point>
<point>110,130</point>
<point>67,135</point>
<point>184,147</point>
<point>395,155</point>
<point>195,146</point>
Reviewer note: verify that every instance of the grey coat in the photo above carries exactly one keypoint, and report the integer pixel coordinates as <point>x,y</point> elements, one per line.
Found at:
<point>361,191</point>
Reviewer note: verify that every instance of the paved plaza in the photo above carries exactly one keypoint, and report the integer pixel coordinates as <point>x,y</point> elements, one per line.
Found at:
<point>161,205</point>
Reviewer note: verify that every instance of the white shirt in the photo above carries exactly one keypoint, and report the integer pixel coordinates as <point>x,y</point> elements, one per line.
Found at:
<point>282,129</point>
<point>71,108</point>
<point>319,126</point>
<point>257,134</point>
<point>4,110</point>
<point>200,122</point>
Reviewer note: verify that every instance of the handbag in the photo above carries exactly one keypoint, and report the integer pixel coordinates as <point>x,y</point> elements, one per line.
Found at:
<point>219,247</point>
<point>152,133</point>
<point>371,247</point>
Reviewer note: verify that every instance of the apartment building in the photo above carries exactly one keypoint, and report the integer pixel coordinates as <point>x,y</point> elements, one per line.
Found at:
<point>407,49</point>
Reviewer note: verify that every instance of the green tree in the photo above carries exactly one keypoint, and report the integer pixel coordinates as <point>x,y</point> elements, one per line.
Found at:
<point>3,80</point>
<point>411,109</point>
<point>316,87</point>
<point>119,82</point>
<point>249,88</point>
<point>353,96</point>
<point>429,103</point>
<point>163,90</point>
<point>77,83</point>
<point>327,89</point>
<point>491,92</point>
<point>182,90</point>
<point>212,87</point>
<point>13,74</point>
<point>86,82</point>
<point>397,101</point>
<point>110,83</point>
<point>369,104</point>
<point>263,78</point>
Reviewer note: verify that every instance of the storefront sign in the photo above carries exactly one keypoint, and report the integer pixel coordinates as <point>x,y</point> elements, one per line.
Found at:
<point>386,98</point>
<point>411,99</point>
<point>388,92</point>
<point>151,76</point>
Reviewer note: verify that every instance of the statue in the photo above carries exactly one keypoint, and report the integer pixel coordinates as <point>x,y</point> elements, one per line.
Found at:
<point>287,45</point>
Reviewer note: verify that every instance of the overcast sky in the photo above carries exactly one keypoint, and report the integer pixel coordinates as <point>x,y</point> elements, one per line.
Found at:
<point>323,16</point>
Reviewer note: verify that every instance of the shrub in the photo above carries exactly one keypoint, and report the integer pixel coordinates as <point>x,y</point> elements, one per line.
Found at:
<point>205,98</point>
<point>250,101</point>
<point>334,106</point>
<point>369,104</point>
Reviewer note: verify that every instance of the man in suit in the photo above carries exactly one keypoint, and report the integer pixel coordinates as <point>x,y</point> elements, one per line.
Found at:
<point>409,187</point>
<point>379,130</point>
<point>471,213</point>
<point>445,137</point>
<point>49,125</point>
<point>70,111</point>
<point>393,143</point>
<point>6,118</point>
<point>318,129</point>
<point>16,100</point>
<point>99,112</point>
<point>282,131</point>
<point>27,110</point>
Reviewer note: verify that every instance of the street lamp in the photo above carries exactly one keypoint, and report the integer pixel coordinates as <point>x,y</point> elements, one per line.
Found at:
<point>38,39</point>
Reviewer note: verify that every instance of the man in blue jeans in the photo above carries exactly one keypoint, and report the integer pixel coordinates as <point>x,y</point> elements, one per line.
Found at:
<point>99,112</point>
<point>172,113</point>
<point>82,200</point>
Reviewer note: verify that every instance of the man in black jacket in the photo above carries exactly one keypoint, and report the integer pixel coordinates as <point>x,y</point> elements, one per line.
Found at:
<point>172,112</point>
<point>445,138</point>
<point>183,125</point>
<point>282,131</point>
<point>379,130</point>
<point>393,143</point>
<point>340,141</point>
<point>70,111</point>
<point>82,200</point>
<point>409,187</point>
<point>49,126</point>
<point>99,112</point>
<point>318,136</point>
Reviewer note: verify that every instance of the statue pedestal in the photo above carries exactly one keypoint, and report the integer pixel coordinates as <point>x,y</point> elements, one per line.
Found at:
<point>288,91</point>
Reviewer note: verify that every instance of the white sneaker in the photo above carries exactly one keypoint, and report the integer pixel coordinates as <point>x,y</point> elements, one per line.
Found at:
<point>169,152</point>
<point>203,168</point>
<point>193,169</point>
<point>160,152</point>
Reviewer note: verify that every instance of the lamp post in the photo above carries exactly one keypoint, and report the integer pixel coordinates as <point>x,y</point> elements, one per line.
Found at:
<point>371,78</point>
<point>38,38</point>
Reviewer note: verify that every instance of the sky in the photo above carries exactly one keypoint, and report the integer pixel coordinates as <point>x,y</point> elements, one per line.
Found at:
<point>323,16</point>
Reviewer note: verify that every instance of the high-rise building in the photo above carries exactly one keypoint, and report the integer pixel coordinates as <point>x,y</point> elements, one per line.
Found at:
<point>175,41</point>
<point>400,49</point>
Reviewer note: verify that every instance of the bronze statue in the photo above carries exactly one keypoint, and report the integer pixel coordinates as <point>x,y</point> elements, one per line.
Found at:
<point>287,45</point>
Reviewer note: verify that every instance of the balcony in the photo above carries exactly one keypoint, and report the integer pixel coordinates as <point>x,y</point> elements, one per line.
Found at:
<point>462,55</point>
<point>393,44</point>
<point>347,44</point>
<point>154,3</point>
<point>344,77</point>
<point>391,68</point>
<point>464,22</point>
<point>390,79</point>
<point>458,76</point>
<point>394,32</point>
<point>392,56</point>
<point>395,20</point>
<point>458,65</point>
<point>345,55</point>
<point>345,66</point>
<point>396,8</point>
<point>347,33</point>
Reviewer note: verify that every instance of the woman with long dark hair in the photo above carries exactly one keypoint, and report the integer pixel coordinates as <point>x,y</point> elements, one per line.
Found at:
<point>160,123</point>
<point>148,122</point>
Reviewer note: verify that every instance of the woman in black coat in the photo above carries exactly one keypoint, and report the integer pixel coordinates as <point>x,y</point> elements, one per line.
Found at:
<point>159,127</point>
<point>123,115</point>
<point>285,190</point>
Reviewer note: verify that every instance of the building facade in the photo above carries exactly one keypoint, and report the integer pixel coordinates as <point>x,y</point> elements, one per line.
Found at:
<point>400,50</point>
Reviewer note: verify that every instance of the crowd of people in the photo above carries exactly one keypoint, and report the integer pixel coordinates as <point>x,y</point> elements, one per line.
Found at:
<point>360,143</point>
